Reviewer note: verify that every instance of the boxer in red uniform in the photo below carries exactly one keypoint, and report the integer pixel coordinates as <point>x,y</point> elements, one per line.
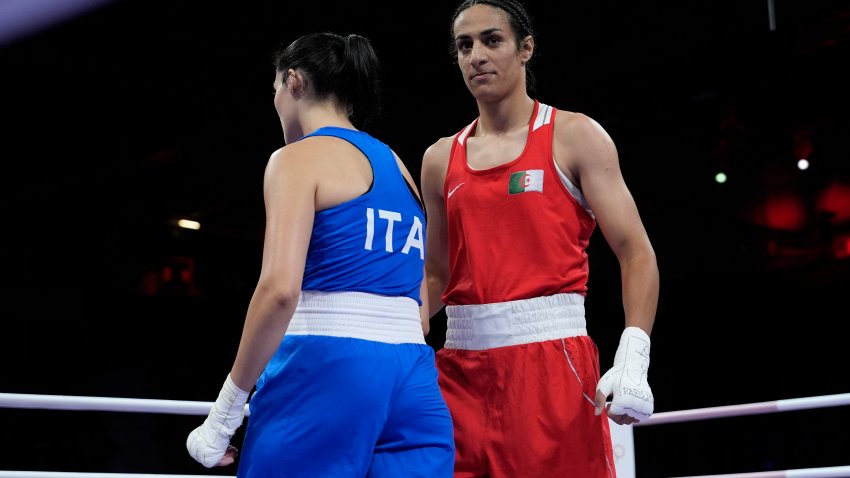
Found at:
<point>512,201</point>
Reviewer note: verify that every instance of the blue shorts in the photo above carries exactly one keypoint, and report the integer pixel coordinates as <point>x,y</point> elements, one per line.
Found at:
<point>343,407</point>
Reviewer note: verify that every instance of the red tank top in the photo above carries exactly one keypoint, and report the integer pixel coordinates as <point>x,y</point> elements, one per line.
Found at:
<point>514,231</point>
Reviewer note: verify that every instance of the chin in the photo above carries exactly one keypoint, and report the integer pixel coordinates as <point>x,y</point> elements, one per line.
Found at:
<point>487,95</point>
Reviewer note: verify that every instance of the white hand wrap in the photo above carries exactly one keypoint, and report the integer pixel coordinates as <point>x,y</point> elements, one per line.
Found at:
<point>208,443</point>
<point>627,379</point>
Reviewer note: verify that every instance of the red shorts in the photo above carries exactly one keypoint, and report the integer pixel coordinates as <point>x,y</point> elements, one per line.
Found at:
<point>527,410</point>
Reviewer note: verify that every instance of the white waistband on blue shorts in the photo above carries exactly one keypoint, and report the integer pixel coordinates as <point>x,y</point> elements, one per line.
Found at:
<point>359,315</point>
<point>500,324</point>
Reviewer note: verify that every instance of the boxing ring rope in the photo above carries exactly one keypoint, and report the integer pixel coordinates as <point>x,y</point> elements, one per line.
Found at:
<point>60,474</point>
<point>179,407</point>
<point>106,404</point>
<point>773,406</point>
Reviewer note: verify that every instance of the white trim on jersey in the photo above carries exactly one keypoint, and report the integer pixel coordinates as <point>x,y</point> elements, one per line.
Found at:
<point>544,116</point>
<point>461,138</point>
<point>573,190</point>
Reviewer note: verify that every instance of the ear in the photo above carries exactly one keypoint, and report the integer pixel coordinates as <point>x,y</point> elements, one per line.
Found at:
<point>295,82</point>
<point>526,49</point>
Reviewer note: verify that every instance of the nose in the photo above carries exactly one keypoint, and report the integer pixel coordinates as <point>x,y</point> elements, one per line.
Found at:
<point>478,54</point>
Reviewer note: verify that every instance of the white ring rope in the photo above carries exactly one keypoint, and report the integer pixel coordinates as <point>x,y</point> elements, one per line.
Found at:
<point>106,404</point>
<point>748,409</point>
<point>826,472</point>
<point>179,407</point>
<point>62,474</point>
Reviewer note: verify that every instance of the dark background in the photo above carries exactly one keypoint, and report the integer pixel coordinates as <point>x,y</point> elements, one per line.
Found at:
<point>124,116</point>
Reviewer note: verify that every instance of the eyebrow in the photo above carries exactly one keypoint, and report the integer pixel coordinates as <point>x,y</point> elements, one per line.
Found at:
<point>482,33</point>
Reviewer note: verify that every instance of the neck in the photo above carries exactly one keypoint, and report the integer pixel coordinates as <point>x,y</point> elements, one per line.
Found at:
<point>315,118</point>
<point>503,116</point>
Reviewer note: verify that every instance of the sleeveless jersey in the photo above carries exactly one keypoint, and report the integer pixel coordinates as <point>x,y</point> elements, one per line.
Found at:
<point>375,242</point>
<point>514,231</point>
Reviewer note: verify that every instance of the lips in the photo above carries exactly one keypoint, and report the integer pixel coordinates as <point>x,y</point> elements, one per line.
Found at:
<point>481,76</point>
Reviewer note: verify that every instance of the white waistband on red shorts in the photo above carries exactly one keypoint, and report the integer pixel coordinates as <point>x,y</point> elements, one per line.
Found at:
<point>359,315</point>
<point>500,324</point>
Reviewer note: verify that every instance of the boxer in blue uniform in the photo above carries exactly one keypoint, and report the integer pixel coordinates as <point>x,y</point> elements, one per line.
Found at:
<point>334,335</point>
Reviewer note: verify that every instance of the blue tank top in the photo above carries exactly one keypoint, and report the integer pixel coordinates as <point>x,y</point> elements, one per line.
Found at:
<point>375,242</point>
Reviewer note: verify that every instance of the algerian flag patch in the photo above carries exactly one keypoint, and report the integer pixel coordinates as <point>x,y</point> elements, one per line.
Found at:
<point>525,181</point>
